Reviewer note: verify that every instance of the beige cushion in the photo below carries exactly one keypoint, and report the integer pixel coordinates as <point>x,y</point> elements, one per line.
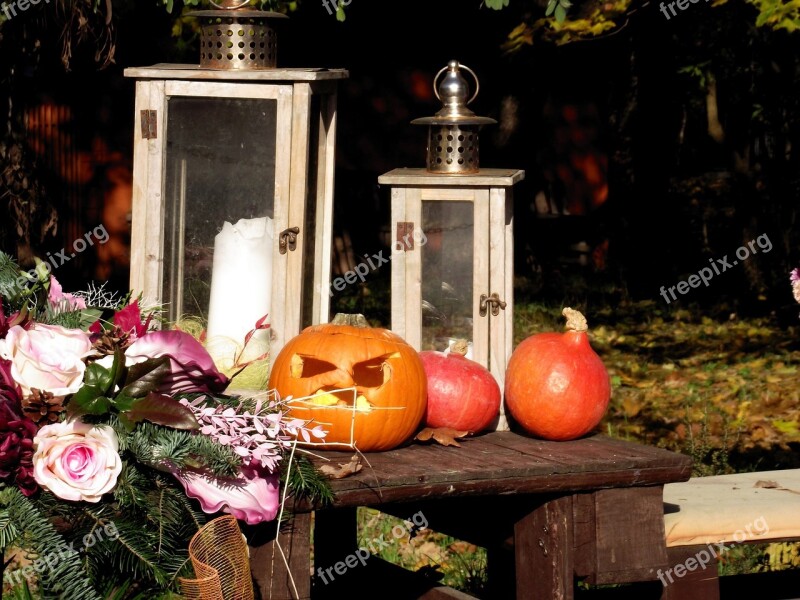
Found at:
<point>705,510</point>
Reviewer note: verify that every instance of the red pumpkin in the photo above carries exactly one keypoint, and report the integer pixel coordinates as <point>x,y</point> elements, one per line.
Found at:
<point>387,374</point>
<point>557,388</point>
<point>461,393</point>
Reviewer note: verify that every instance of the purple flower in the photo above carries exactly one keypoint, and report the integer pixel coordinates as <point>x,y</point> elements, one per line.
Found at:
<point>59,300</point>
<point>16,437</point>
<point>253,497</point>
<point>192,369</point>
<point>794,275</point>
<point>795,279</point>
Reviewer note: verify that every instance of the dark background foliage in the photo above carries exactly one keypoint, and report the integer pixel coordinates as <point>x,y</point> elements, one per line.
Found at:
<point>649,149</point>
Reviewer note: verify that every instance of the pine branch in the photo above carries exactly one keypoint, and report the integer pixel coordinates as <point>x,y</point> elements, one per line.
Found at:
<point>9,274</point>
<point>66,579</point>
<point>305,481</point>
<point>132,549</point>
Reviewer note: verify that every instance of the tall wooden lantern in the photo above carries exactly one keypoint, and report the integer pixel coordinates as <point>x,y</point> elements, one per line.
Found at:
<point>452,268</point>
<point>233,186</point>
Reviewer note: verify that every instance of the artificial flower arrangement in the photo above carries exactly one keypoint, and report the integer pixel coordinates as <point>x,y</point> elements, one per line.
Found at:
<point>107,424</point>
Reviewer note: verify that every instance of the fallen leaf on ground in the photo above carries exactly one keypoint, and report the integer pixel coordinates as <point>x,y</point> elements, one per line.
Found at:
<point>446,436</point>
<point>344,469</point>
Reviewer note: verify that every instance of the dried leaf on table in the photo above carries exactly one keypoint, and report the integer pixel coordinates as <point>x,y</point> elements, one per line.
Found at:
<point>763,483</point>
<point>344,469</point>
<point>446,436</point>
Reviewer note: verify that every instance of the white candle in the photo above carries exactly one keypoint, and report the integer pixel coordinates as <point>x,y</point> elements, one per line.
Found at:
<point>241,286</point>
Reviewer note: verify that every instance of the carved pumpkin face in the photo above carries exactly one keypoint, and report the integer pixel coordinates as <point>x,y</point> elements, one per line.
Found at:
<point>387,374</point>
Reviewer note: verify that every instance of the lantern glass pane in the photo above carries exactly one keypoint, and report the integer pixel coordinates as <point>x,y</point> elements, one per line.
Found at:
<point>447,272</point>
<point>220,168</point>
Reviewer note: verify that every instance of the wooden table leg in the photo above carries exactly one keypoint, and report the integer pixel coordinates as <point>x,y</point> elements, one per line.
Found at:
<point>338,568</point>
<point>543,543</point>
<point>692,575</point>
<point>274,581</point>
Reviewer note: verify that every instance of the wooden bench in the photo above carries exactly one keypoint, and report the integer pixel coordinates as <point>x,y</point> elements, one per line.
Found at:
<point>705,516</point>
<point>547,512</point>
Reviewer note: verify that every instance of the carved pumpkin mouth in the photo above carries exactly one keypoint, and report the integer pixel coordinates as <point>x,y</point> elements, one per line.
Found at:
<point>335,385</point>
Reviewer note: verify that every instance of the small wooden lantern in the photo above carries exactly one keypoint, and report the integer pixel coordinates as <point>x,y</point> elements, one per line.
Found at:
<point>233,198</point>
<point>453,258</point>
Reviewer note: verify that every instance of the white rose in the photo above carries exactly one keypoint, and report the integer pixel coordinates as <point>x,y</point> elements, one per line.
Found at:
<point>47,358</point>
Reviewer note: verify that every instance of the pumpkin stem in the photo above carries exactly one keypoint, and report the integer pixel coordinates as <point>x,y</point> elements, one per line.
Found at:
<point>351,320</point>
<point>575,320</point>
<point>460,347</point>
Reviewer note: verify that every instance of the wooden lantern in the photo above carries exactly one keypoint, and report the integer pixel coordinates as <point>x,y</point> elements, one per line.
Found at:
<point>233,197</point>
<point>456,277</point>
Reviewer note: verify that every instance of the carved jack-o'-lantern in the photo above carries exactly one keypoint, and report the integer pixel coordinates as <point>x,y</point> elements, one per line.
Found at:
<point>387,374</point>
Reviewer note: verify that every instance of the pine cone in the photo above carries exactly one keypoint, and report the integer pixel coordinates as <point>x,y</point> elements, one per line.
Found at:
<point>110,340</point>
<point>42,407</point>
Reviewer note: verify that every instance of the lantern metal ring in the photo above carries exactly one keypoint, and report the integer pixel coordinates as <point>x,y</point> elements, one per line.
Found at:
<point>234,6</point>
<point>455,64</point>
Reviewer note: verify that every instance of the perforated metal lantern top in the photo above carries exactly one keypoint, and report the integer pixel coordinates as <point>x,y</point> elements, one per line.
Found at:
<point>237,38</point>
<point>453,132</point>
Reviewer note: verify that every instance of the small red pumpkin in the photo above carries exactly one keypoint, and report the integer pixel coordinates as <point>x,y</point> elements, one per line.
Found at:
<point>557,388</point>
<point>462,394</point>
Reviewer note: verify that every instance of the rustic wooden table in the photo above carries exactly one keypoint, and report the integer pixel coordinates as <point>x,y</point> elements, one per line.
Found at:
<point>548,513</point>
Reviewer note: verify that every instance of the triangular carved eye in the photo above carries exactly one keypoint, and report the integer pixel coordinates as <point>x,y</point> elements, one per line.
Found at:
<point>373,372</point>
<point>308,366</point>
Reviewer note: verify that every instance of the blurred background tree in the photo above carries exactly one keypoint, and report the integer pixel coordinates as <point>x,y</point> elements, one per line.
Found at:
<point>651,145</point>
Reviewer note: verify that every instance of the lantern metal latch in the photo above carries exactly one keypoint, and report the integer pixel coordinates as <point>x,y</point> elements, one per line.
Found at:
<point>495,301</point>
<point>288,239</point>
<point>149,124</point>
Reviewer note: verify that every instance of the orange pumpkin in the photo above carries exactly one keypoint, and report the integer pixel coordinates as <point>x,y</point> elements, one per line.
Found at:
<point>387,374</point>
<point>557,388</point>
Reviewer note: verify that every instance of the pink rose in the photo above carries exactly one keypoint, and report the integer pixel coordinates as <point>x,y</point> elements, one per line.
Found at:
<point>46,357</point>
<point>76,460</point>
<point>253,497</point>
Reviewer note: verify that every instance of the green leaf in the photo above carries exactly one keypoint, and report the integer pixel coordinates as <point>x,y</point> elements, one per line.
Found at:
<point>145,377</point>
<point>88,316</point>
<point>123,402</point>
<point>88,401</point>
<point>561,13</point>
<point>117,368</point>
<point>551,6</point>
<point>496,4</point>
<point>162,410</point>
<point>99,377</point>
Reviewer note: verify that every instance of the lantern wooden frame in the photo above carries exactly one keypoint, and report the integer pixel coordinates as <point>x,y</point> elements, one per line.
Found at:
<point>298,122</point>
<point>490,191</point>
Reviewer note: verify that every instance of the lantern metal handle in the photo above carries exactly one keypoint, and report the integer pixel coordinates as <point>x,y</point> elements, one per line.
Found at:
<point>460,66</point>
<point>240,5</point>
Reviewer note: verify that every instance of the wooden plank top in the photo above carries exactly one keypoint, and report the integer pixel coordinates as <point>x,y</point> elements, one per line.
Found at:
<point>173,71</point>
<point>503,462</point>
<point>423,178</point>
